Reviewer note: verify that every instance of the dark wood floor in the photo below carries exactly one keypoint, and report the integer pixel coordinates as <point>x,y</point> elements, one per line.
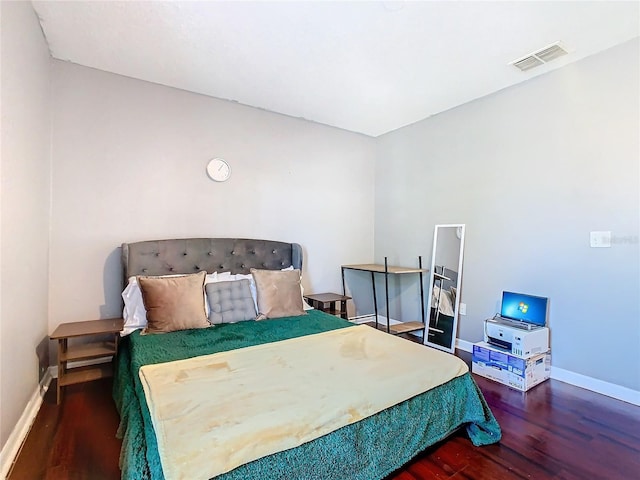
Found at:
<point>553,431</point>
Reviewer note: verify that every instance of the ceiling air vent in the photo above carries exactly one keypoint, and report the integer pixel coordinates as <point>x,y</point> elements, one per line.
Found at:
<point>527,63</point>
<point>539,57</point>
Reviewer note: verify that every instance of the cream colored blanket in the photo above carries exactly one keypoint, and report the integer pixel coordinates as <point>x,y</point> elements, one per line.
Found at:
<point>214,413</point>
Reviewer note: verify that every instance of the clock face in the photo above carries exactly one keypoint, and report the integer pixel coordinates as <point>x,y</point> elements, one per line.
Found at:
<point>218,170</point>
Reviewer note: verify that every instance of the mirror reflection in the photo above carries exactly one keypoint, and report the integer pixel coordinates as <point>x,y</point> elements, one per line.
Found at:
<point>444,286</point>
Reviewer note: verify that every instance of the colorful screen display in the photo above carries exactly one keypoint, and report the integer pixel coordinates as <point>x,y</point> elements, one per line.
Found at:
<point>524,308</point>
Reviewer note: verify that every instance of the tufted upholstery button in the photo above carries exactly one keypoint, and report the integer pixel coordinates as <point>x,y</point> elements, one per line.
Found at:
<point>221,255</point>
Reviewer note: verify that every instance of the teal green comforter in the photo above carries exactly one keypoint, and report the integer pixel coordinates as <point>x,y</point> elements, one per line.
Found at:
<point>369,449</point>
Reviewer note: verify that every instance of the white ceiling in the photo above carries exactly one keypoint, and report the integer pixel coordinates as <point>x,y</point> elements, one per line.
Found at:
<point>368,67</point>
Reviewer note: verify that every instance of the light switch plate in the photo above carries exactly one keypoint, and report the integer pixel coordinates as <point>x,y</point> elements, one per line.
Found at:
<point>463,308</point>
<point>601,239</point>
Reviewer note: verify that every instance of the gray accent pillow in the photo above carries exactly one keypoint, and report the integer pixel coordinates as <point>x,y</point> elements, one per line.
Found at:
<point>230,302</point>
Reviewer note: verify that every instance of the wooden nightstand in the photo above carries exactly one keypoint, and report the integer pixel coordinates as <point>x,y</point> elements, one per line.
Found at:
<point>327,302</point>
<point>73,353</point>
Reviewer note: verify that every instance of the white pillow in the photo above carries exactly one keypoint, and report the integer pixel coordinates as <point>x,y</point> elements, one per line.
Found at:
<point>134,313</point>
<point>305,305</point>
<point>442,298</point>
<point>252,286</point>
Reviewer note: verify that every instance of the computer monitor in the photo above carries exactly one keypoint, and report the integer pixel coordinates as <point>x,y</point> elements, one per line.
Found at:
<point>524,308</point>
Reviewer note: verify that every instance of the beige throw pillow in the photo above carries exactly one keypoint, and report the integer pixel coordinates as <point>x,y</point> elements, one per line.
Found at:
<point>174,303</point>
<point>278,293</point>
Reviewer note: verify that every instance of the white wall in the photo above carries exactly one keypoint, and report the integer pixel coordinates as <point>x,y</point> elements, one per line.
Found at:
<point>129,162</point>
<point>537,167</point>
<point>24,198</point>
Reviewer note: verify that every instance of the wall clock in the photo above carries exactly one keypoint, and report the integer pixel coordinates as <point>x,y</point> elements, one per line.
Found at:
<point>218,170</point>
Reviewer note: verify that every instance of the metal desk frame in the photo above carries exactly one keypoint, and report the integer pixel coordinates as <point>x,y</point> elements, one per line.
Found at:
<point>386,269</point>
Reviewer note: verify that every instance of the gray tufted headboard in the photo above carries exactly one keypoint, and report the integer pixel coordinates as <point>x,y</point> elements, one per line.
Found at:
<point>191,255</point>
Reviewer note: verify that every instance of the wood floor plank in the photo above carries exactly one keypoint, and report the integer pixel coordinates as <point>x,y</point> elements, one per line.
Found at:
<point>74,440</point>
<point>551,449</point>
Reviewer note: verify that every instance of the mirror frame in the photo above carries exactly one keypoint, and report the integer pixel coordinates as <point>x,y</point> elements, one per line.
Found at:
<point>456,308</point>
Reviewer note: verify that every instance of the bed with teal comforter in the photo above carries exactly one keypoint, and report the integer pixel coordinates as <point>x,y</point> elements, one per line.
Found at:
<point>369,449</point>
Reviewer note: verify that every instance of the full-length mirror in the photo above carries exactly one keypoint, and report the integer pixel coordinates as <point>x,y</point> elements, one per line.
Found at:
<point>443,298</point>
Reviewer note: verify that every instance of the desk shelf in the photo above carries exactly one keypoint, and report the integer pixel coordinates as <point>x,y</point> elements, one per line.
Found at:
<point>386,270</point>
<point>406,327</point>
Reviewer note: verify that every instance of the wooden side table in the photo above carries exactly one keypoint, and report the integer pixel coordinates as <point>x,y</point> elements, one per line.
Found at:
<point>327,302</point>
<point>73,353</point>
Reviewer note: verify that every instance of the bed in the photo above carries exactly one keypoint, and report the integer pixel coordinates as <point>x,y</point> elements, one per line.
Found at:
<point>366,448</point>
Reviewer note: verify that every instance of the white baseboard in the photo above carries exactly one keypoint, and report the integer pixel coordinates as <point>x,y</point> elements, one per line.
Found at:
<point>589,383</point>
<point>599,386</point>
<point>20,431</point>
<point>464,345</point>
<point>381,319</point>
